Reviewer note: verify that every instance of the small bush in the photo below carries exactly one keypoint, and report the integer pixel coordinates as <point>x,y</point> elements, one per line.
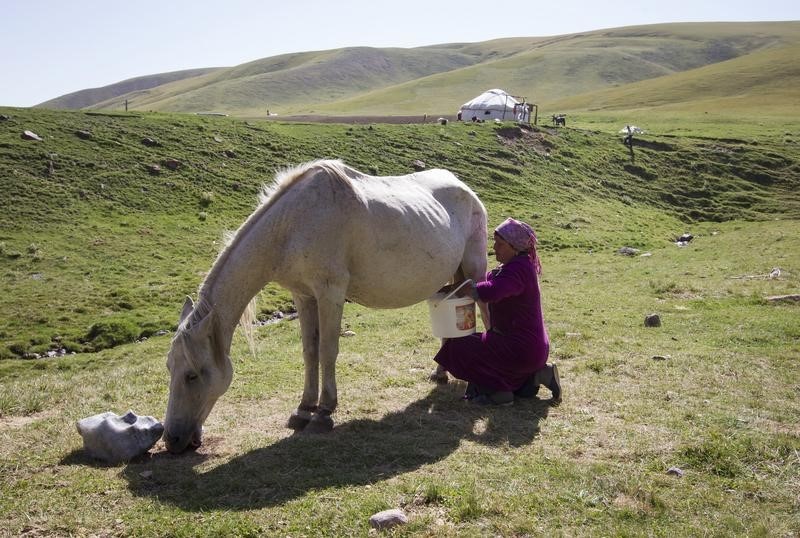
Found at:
<point>106,334</point>
<point>206,199</point>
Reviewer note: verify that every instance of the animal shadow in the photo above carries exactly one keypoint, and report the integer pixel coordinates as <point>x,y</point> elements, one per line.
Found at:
<point>358,452</point>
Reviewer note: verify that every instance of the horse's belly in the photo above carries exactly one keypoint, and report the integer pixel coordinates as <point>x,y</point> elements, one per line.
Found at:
<point>402,283</point>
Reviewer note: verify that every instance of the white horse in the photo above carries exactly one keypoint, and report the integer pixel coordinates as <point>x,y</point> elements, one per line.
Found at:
<point>327,233</point>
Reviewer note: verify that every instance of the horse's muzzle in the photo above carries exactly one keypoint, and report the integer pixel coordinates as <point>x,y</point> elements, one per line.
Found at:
<point>178,443</point>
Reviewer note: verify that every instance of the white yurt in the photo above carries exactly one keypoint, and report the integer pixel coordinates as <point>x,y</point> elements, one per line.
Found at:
<point>494,104</point>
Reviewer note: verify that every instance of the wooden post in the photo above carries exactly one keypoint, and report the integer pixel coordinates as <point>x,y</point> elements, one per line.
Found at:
<point>126,105</point>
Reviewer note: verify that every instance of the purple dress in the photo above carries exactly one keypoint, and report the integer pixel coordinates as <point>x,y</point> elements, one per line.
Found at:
<point>517,345</point>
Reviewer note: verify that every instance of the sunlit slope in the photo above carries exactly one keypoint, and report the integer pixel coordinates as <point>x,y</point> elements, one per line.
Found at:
<point>89,97</point>
<point>767,82</point>
<point>291,81</point>
<point>580,64</point>
<point>437,79</point>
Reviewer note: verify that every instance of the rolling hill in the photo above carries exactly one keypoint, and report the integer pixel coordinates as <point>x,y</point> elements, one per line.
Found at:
<point>676,60</point>
<point>86,98</point>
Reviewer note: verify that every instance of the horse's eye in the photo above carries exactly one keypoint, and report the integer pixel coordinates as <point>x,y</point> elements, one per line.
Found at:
<point>191,376</point>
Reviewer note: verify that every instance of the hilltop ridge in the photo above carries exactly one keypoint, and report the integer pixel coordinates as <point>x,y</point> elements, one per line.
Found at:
<point>436,79</point>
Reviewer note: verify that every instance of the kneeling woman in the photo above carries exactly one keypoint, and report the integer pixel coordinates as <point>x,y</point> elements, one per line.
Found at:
<point>510,358</point>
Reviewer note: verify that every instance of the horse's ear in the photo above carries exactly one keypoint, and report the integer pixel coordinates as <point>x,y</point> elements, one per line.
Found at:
<point>188,306</point>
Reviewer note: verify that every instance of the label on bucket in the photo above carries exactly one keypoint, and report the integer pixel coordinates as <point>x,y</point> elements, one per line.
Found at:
<point>465,317</point>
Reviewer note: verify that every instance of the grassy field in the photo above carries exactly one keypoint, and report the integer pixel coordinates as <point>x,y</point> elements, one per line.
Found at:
<point>98,249</point>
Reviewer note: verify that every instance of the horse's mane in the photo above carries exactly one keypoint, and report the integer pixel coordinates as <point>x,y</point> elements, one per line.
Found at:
<point>283,182</point>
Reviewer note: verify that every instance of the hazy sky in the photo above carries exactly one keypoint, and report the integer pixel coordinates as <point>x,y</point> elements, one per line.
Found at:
<point>53,47</point>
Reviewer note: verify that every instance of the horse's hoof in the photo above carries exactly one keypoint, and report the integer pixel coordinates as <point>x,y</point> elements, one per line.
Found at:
<point>298,420</point>
<point>438,378</point>
<point>319,424</point>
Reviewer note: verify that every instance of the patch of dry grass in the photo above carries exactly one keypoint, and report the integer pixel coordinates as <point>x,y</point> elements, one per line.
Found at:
<point>722,407</point>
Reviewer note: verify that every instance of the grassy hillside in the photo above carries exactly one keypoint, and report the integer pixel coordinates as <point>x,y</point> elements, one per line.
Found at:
<point>684,429</point>
<point>547,70</point>
<point>437,79</point>
<point>89,97</point>
<point>98,246</point>
<point>765,82</point>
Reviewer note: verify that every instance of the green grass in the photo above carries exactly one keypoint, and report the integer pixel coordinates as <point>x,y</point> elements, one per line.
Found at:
<point>101,243</point>
<point>91,236</point>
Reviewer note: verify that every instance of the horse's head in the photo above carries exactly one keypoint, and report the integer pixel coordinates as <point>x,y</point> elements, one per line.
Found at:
<point>200,372</point>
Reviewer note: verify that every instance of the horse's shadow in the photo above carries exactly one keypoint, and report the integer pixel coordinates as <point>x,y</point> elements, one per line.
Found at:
<point>358,452</point>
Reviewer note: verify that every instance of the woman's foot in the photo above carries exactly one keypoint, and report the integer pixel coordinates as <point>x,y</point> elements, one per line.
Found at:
<point>547,376</point>
<point>500,398</point>
<point>529,389</point>
<point>555,386</point>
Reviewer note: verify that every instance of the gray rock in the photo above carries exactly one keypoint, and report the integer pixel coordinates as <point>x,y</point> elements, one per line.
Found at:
<point>30,135</point>
<point>113,438</point>
<point>628,251</point>
<point>388,518</point>
<point>675,471</point>
<point>652,320</point>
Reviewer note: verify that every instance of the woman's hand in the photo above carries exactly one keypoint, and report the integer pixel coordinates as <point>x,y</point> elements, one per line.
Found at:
<point>469,289</point>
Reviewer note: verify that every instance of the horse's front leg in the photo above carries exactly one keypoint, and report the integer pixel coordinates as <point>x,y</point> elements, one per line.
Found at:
<point>330,323</point>
<point>309,332</point>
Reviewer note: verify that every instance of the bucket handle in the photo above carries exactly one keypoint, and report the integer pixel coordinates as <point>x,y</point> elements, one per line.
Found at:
<point>446,297</point>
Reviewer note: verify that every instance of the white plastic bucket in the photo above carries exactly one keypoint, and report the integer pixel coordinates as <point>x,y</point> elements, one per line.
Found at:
<point>451,317</point>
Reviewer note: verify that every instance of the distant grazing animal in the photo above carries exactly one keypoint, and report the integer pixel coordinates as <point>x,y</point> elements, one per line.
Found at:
<point>327,233</point>
<point>560,119</point>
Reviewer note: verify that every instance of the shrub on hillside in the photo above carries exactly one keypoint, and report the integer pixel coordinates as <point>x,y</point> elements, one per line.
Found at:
<point>110,333</point>
<point>206,199</point>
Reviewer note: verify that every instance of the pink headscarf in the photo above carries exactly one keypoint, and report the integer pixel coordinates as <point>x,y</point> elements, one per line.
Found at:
<point>520,236</point>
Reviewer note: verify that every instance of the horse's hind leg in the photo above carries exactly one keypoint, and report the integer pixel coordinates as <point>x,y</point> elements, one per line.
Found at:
<point>473,262</point>
<point>309,331</point>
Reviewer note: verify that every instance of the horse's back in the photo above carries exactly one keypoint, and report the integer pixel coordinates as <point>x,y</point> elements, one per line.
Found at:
<point>396,239</point>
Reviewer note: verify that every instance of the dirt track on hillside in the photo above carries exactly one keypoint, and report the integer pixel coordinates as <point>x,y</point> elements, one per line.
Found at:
<point>360,120</point>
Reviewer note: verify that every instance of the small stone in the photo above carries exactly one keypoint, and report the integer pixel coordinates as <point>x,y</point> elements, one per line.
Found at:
<point>628,251</point>
<point>154,169</point>
<point>348,333</point>
<point>30,135</point>
<point>146,474</point>
<point>660,357</point>
<point>791,298</point>
<point>388,519</point>
<point>149,142</point>
<point>418,165</point>
<point>675,471</point>
<point>652,320</point>
<point>83,135</point>
<point>172,164</point>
